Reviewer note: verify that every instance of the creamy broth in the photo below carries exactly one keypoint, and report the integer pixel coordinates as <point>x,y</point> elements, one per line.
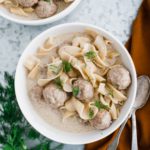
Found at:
<point>54,118</point>
<point>110,95</point>
<point>51,115</point>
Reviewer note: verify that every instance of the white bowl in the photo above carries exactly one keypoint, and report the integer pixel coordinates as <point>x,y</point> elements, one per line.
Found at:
<point>26,21</point>
<point>37,122</point>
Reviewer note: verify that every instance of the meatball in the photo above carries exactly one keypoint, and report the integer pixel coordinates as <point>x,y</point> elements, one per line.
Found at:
<point>102,120</point>
<point>45,9</point>
<point>119,76</point>
<point>86,91</point>
<point>36,93</point>
<point>27,3</point>
<point>54,95</point>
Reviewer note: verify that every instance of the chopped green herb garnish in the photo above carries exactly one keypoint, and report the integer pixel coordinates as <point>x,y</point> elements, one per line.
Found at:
<point>75,91</point>
<point>58,82</point>
<point>100,105</point>
<point>90,55</point>
<point>67,66</point>
<point>110,92</point>
<point>91,113</point>
<point>48,1</point>
<point>55,69</point>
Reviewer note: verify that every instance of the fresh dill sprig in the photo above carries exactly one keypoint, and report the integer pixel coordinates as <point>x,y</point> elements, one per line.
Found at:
<point>15,131</point>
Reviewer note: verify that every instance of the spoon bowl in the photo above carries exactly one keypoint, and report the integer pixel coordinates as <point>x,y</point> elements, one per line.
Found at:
<point>143,92</point>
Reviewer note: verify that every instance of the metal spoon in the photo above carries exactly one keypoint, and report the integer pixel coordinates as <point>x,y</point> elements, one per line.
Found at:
<point>143,92</point>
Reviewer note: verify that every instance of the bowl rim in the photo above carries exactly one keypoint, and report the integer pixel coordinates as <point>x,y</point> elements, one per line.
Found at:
<point>44,21</point>
<point>134,80</point>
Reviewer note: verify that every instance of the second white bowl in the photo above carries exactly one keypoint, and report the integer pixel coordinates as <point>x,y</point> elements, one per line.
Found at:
<point>28,21</point>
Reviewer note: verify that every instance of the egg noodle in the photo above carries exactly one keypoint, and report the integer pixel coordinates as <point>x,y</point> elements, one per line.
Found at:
<point>87,56</point>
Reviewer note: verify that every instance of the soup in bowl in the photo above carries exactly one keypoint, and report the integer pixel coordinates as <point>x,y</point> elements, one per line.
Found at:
<point>36,12</point>
<point>78,83</point>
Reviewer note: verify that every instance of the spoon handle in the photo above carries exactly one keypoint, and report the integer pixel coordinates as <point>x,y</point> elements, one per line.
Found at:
<point>134,132</point>
<point>114,144</point>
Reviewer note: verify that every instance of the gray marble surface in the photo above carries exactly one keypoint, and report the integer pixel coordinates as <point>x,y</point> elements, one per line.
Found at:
<point>115,16</point>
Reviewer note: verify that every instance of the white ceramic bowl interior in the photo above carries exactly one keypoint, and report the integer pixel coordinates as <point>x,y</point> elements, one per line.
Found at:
<point>37,122</point>
<point>28,21</point>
